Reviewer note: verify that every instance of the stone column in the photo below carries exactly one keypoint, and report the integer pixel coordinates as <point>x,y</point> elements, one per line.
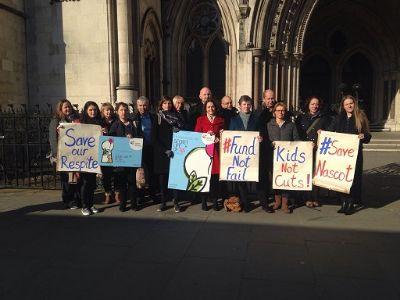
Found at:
<point>272,70</point>
<point>296,79</point>
<point>126,91</point>
<point>257,85</point>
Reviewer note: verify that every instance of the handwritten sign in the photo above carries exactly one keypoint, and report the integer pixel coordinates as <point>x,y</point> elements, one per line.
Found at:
<point>293,166</point>
<point>78,148</point>
<point>336,160</point>
<point>190,166</point>
<point>239,156</point>
<point>120,151</point>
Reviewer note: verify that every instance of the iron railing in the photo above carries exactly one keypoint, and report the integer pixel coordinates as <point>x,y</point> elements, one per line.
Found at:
<point>24,148</point>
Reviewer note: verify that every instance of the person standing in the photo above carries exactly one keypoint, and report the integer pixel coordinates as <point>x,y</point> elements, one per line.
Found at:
<point>280,129</point>
<point>308,126</point>
<point>125,178</point>
<point>145,122</point>
<point>352,120</point>
<point>197,109</point>
<point>64,114</point>
<point>108,115</point>
<point>265,114</point>
<point>212,124</point>
<point>168,122</point>
<point>90,115</point>
<point>246,120</point>
<point>179,106</point>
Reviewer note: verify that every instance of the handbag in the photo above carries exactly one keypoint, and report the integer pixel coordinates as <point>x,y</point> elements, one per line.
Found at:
<point>233,204</point>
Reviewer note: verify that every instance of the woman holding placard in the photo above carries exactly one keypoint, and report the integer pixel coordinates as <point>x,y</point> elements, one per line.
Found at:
<point>168,122</point>
<point>124,178</point>
<point>64,114</point>
<point>212,124</point>
<point>308,125</point>
<point>281,129</point>
<point>90,115</point>
<point>351,119</point>
<point>108,115</point>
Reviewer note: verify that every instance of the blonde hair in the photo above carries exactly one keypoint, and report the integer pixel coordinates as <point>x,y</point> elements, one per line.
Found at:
<point>361,120</point>
<point>177,98</point>
<point>106,105</point>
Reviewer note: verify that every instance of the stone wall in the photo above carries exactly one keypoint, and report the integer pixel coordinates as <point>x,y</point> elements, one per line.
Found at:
<point>13,82</point>
<point>68,51</point>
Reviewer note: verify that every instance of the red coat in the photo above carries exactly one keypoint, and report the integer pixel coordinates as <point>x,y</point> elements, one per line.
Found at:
<point>203,124</point>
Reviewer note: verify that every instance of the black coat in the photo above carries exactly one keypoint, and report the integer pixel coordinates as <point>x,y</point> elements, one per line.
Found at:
<point>304,121</point>
<point>186,119</point>
<point>195,111</point>
<point>342,124</point>
<point>228,115</point>
<point>162,141</point>
<point>120,129</point>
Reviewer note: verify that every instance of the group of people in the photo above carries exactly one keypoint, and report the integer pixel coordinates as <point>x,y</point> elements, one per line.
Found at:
<point>272,121</point>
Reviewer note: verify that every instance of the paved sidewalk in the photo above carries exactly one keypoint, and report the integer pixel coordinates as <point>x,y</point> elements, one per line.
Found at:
<point>51,253</point>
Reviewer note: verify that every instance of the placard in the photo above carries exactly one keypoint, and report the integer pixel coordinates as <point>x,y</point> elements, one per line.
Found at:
<point>293,162</point>
<point>78,148</point>
<point>239,155</point>
<point>120,151</point>
<point>336,161</point>
<point>190,167</point>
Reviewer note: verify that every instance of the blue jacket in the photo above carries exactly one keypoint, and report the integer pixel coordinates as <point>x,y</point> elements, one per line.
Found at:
<point>237,123</point>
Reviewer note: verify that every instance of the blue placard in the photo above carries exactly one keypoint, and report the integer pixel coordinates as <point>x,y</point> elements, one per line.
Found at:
<point>120,151</point>
<point>190,167</point>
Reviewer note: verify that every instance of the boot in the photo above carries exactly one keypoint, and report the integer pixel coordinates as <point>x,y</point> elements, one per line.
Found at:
<point>134,205</point>
<point>122,202</point>
<point>107,198</point>
<point>204,204</point>
<point>350,207</point>
<point>118,197</point>
<point>343,208</point>
<point>278,202</point>
<point>285,207</point>
<point>215,204</point>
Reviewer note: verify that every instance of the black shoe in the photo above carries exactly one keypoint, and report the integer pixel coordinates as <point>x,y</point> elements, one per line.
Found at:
<point>349,209</point>
<point>268,209</point>
<point>122,208</point>
<point>343,208</point>
<point>204,207</point>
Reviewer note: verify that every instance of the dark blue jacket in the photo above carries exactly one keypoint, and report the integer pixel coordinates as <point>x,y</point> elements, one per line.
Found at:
<point>237,123</point>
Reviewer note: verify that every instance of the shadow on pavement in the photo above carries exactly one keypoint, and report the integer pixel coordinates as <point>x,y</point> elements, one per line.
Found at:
<point>139,257</point>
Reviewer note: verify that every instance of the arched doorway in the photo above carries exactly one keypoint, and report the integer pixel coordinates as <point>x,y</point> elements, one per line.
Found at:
<point>357,41</point>
<point>315,80</point>
<point>358,79</point>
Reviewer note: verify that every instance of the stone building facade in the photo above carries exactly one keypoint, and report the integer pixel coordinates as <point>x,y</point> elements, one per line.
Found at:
<point>116,50</point>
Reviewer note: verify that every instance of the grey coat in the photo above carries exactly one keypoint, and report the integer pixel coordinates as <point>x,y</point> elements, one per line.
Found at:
<point>288,131</point>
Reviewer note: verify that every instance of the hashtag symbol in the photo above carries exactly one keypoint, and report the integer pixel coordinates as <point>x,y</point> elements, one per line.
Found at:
<point>325,145</point>
<point>227,145</point>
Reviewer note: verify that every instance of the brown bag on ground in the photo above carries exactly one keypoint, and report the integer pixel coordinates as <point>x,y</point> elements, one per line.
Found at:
<point>233,204</point>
